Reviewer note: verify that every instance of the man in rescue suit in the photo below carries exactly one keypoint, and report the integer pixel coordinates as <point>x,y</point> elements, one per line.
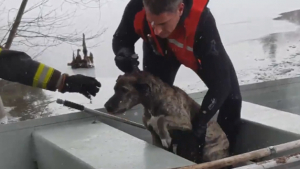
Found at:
<point>18,67</point>
<point>176,32</point>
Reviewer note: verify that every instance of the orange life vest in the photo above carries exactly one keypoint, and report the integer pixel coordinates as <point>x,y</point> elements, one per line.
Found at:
<point>181,41</point>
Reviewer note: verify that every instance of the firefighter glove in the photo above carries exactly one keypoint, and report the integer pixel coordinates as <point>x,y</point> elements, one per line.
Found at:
<point>85,85</point>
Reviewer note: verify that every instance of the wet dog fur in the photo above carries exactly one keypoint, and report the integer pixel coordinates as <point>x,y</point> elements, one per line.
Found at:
<point>168,111</point>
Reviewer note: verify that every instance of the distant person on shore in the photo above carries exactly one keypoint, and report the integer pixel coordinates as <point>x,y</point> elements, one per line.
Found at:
<point>177,32</point>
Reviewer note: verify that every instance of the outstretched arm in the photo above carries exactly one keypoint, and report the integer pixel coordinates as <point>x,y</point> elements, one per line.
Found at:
<point>18,67</point>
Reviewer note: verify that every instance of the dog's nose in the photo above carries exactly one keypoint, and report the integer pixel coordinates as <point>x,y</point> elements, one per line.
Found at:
<point>108,107</point>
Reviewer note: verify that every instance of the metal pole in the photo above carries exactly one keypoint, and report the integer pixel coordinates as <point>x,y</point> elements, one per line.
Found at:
<point>99,113</point>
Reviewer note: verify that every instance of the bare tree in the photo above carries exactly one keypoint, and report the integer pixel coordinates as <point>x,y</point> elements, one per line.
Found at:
<point>41,30</point>
<point>16,24</point>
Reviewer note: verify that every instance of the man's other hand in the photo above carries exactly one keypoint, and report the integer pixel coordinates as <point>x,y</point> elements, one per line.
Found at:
<point>126,61</point>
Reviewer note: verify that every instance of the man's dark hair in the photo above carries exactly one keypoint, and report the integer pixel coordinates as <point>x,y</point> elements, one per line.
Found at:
<point>160,6</point>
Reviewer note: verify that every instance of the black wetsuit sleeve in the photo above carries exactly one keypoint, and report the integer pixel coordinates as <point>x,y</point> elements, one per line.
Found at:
<point>18,67</point>
<point>216,68</point>
<point>125,36</point>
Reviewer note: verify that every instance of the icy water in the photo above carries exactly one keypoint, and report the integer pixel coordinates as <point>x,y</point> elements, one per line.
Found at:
<point>261,37</point>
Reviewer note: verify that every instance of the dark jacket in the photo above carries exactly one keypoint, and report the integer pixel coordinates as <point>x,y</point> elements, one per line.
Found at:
<point>18,67</point>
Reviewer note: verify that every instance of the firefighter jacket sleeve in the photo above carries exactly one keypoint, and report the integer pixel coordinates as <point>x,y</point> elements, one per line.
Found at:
<point>125,37</point>
<point>216,69</point>
<point>18,67</point>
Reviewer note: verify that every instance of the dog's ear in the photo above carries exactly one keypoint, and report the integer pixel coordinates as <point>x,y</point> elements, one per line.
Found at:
<point>143,88</point>
<point>136,69</point>
<point>119,77</point>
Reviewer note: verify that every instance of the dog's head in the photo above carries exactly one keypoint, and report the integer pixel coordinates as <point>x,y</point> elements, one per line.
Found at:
<point>128,92</point>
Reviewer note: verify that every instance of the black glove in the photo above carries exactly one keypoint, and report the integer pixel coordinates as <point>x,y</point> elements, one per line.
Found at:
<point>126,61</point>
<point>85,85</point>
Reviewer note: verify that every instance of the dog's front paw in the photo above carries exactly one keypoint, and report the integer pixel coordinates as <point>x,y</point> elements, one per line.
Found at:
<point>166,142</point>
<point>175,148</point>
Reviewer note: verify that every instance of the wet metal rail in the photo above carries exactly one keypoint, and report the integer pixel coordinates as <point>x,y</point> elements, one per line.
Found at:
<point>268,164</point>
<point>274,162</point>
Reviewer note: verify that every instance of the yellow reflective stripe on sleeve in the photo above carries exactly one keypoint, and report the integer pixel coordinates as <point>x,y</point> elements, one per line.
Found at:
<point>0,50</point>
<point>48,77</point>
<point>42,76</point>
<point>37,75</point>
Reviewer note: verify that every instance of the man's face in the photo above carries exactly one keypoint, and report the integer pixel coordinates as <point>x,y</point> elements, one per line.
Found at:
<point>165,23</point>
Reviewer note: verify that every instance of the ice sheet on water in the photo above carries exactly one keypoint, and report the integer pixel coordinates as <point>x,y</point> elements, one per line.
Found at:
<point>260,47</point>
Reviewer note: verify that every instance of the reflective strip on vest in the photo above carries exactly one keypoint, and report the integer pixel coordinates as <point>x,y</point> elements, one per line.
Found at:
<point>180,45</point>
<point>42,76</point>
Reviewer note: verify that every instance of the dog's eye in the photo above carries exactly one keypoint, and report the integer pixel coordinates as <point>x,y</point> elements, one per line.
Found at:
<point>123,89</point>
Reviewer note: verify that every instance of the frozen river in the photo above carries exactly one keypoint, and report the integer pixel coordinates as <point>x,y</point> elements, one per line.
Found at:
<point>261,37</point>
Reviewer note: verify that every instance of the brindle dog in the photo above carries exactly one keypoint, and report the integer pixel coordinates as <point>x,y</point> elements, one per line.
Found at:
<point>168,112</point>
